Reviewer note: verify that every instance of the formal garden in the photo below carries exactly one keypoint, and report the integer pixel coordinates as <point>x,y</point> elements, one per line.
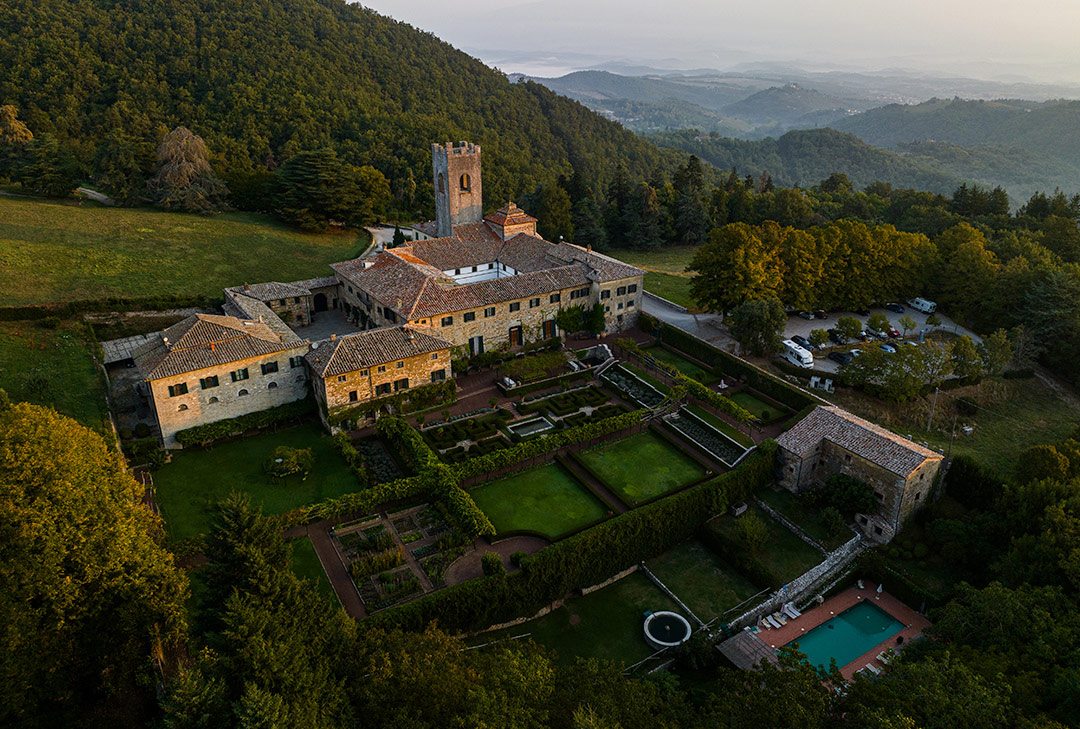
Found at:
<point>187,488</point>
<point>546,500</point>
<point>641,467</point>
<point>672,358</point>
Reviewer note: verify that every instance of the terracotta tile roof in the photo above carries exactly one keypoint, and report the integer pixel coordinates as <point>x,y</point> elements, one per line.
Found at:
<point>863,438</point>
<point>315,283</point>
<point>428,227</point>
<point>509,214</point>
<point>363,350</point>
<point>270,291</point>
<point>208,340</point>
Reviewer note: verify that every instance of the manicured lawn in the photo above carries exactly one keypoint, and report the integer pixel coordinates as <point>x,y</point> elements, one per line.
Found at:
<point>766,412</point>
<point>306,565</point>
<point>688,368</point>
<point>188,488</point>
<point>54,251</point>
<point>785,553</point>
<point>723,426</point>
<point>666,273</point>
<point>701,579</point>
<point>606,624</point>
<point>546,500</point>
<point>52,367</point>
<point>808,518</point>
<point>642,466</point>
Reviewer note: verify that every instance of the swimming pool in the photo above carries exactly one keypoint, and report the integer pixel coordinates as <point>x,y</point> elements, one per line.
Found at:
<point>848,635</point>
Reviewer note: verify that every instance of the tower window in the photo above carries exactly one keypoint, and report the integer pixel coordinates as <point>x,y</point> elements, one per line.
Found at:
<point>466,183</point>
<point>442,183</point>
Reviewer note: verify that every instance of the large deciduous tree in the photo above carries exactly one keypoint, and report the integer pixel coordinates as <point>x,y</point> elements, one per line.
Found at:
<point>87,595</point>
<point>185,180</point>
<point>757,325</point>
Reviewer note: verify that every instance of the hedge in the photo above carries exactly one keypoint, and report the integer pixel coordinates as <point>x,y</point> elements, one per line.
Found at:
<point>410,445</point>
<point>585,559</point>
<point>545,444</point>
<point>210,432</point>
<point>731,365</point>
<point>115,303</point>
<point>427,397</point>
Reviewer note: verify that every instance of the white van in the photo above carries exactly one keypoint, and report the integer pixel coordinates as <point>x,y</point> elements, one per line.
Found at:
<point>796,355</point>
<point>926,307</point>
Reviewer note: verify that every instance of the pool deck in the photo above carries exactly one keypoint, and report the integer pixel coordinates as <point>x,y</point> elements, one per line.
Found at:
<point>914,623</point>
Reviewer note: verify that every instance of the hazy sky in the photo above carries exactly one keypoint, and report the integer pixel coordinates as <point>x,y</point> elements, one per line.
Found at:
<point>984,38</point>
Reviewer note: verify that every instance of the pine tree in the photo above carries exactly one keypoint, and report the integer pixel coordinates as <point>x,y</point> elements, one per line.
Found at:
<point>51,169</point>
<point>589,224</point>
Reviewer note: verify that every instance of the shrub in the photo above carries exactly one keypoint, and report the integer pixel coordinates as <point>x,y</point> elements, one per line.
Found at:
<point>833,521</point>
<point>492,564</point>
<point>286,461</point>
<point>49,322</point>
<point>921,551</point>
<point>751,532</point>
<point>125,433</point>
<point>210,432</point>
<point>517,557</point>
<point>848,495</point>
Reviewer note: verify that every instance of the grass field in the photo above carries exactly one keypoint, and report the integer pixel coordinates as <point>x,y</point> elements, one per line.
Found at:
<point>642,467</point>
<point>546,500</point>
<point>666,273</point>
<point>807,517</point>
<point>785,553</point>
<point>54,251</point>
<point>688,368</point>
<point>606,624</point>
<point>766,412</point>
<point>52,367</point>
<point>306,565</point>
<point>701,579</point>
<point>1023,414</point>
<point>723,426</point>
<point>188,488</point>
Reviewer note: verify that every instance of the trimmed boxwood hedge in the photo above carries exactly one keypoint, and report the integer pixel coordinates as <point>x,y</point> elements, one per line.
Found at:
<point>585,559</point>
<point>423,398</point>
<point>205,434</point>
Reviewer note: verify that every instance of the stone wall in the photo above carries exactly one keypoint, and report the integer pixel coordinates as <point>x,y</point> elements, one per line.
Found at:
<point>199,406</point>
<point>336,391</point>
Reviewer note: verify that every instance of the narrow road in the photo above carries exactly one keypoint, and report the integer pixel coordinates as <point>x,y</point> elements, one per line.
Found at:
<point>334,565</point>
<point>95,195</point>
<point>708,327</point>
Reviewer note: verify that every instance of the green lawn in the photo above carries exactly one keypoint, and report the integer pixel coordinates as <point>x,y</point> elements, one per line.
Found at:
<point>688,368</point>
<point>188,488</point>
<point>306,565</point>
<point>764,411</point>
<point>546,500</point>
<point>665,272</point>
<point>701,579</point>
<point>785,553</point>
<point>54,251</point>
<point>807,517</point>
<point>606,624</point>
<point>642,466</point>
<point>52,367</point>
<point>723,426</point>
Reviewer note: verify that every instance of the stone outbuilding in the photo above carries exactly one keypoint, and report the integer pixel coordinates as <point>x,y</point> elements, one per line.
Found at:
<point>831,440</point>
<point>349,370</point>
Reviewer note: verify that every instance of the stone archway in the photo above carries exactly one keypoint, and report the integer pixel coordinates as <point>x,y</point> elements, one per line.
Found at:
<point>320,302</point>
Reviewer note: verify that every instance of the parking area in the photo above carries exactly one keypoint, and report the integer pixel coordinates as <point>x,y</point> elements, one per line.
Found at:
<point>796,325</point>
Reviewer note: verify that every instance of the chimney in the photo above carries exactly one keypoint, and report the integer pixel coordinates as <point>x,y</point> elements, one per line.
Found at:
<point>211,346</point>
<point>260,319</point>
<point>333,337</point>
<point>246,287</point>
<point>408,333</point>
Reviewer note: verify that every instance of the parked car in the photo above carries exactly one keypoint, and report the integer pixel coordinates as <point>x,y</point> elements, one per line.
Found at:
<point>836,336</point>
<point>855,353</point>
<point>840,357</point>
<point>924,305</point>
<point>863,312</point>
<point>893,332</point>
<point>910,344</point>
<point>894,307</point>
<point>865,335</point>
<point>887,348</point>
<point>806,315</point>
<point>821,314</point>
<point>803,342</point>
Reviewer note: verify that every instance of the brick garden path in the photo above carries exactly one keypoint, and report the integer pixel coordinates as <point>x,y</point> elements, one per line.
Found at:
<point>334,565</point>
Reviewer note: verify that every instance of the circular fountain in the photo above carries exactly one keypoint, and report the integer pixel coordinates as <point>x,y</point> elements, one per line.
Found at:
<point>666,629</point>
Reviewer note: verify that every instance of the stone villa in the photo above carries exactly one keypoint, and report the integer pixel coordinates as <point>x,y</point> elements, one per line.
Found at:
<point>473,284</point>
<point>831,440</point>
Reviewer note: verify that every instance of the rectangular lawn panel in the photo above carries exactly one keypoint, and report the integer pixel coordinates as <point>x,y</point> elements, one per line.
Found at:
<point>606,624</point>
<point>546,500</point>
<point>701,579</point>
<point>764,411</point>
<point>642,466</point>
<point>188,488</point>
<point>306,565</point>
<point>807,517</point>
<point>786,554</point>
<point>688,368</point>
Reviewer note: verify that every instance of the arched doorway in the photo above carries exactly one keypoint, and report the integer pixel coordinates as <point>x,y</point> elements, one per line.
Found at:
<point>320,302</point>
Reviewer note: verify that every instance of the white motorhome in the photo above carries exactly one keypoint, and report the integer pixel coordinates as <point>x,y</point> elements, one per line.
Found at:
<point>923,305</point>
<point>796,355</point>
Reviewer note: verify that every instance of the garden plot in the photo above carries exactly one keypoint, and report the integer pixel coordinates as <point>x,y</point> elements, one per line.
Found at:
<point>633,387</point>
<point>765,412</point>
<point>547,501</point>
<point>640,467</point>
<point>565,403</point>
<point>378,462</point>
<point>706,436</point>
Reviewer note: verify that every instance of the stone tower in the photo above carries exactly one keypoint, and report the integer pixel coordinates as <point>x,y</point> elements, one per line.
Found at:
<point>455,167</point>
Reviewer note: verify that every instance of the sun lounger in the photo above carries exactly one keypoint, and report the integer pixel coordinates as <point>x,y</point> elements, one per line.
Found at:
<point>790,611</point>
<point>779,618</point>
<point>873,669</point>
<point>886,655</point>
<point>860,584</point>
<point>772,621</point>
